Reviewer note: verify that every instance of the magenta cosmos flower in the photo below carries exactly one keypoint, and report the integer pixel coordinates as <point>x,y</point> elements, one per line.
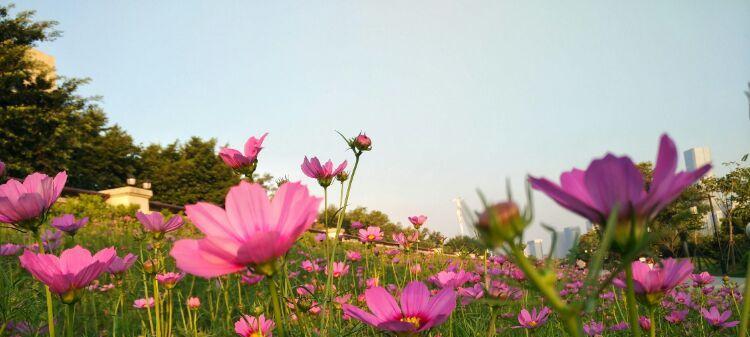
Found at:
<point>370,235</point>
<point>75,269</point>
<point>68,223</point>
<point>718,319</point>
<point>237,160</point>
<point>323,173</point>
<point>155,223</point>
<point>249,326</point>
<point>533,319</point>
<point>615,181</point>
<point>652,282</point>
<point>417,311</point>
<point>417,220</point>
<point>120,265</point>
<point>250,231</point>
<point>20,202</point>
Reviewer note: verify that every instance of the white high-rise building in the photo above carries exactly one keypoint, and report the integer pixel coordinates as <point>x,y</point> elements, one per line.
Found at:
<point>534,248</point>
<point>566,239</point>
<point>695,158</point>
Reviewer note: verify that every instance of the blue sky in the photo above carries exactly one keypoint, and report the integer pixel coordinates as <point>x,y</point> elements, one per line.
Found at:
<point>455,95</point>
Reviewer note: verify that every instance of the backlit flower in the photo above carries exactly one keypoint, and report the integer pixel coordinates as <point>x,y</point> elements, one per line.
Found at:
<point>250,231</point>
<point>323,173</point>
<point>615,182</point>
<point>21,202</point>
<point>370,235</point>
<point>417,220</point>
<point>533,319</point>
<point>66,275</point>
<point>237,160</point>
<point>154,222</point>
<point>120,265</point>
<point>718,319</point>
<point>68,224</point>
<point>417,312</point>
<point>249,326</point>
<point>652,282</point>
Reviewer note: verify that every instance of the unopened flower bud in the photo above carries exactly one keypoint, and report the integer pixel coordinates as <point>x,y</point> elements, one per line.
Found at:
<point>151,266</point>
<point>500,223</point>
<point>362,142</point>
<point>342,176</point>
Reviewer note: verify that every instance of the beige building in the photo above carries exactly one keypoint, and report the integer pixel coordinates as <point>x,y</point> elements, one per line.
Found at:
<point>45,62</point>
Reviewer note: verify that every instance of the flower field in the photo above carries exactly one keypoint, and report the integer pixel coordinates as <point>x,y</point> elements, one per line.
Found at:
<point>251,267</point>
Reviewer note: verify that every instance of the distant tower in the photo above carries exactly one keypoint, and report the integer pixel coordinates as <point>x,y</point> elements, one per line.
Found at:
<point>534,248</point>
<point>697,157</point>
<point>460,215</point>
<point>694,159</point>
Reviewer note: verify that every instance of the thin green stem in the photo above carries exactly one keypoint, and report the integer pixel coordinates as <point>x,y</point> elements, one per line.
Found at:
<point>157,308</point>
<point>276,306</point>
<point>339,222</point>
<point>745,315</point>
<point>635,329</point>
<point>69,320</point>
<point>48,296</point>
<point>652,328</point>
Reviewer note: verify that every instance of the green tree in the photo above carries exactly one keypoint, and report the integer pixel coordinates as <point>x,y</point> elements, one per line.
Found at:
<point>183,173</point>
<point>44,124</point>
<point>465,245</point>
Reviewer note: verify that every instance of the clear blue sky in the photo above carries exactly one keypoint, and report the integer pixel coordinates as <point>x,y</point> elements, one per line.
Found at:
<point>455,95</point>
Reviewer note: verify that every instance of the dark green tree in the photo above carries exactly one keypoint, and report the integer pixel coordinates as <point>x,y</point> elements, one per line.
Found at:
<point>183,173</point>
<point>45,125</point>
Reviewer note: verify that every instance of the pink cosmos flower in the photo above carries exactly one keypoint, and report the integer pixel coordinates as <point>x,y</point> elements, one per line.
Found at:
<point>236,159</point>
<point>417,220</point>
<point>68,224</point>
<point>250,231</point>
<point>73,270</point>
<point>52,239</point>
<point>370,235</point>
<point>658,279</point>
<point>323,173</point>
<point>615,181</point>
<point>339,269</point>
<point>356,225</point>
<point>718,319</point>
<point>644,322</point>
<point>170,279</point>
<point>2,168</point>
<point>353,255</point>
<point>320,237</point>
<point>20,202</point>
<point>155,223</point>
<point>250,278</point>
<point>143,303</point>
<point>193,303</point>
<point>400,238</point>
<point>249,326</point>
<point>450,279</point>
<point>702,279</point>
<point>120,265</point>
<point>309,266</point>
<point>10,249</point>
<point>677,316</point>
<point>417,311</point>
<point>594,329</point>
<point>533,319</point>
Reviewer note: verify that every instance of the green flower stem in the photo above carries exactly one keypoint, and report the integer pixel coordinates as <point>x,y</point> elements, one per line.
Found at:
<point>276,306</point>
<point>652,329</point>
<point>632,306</point>
<point>570,316</point>
<point>157,308</point>
<point>48,295</point>
<point>339,222</point>
<point>745,316</point>
<point>69,320</point>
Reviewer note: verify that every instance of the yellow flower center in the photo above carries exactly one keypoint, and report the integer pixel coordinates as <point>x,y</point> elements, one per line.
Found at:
<point>532,324</point>
<point>371,237</point>
<point>415,321</point>
<point>256,334</point>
